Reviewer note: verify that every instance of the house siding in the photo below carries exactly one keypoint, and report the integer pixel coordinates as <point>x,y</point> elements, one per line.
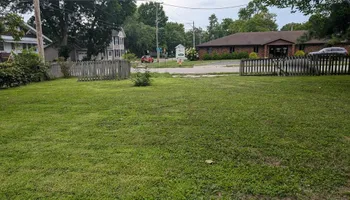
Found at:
<point>221,50</point>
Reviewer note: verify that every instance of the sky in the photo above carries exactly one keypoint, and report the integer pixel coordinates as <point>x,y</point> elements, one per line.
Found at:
<point>200,17</point>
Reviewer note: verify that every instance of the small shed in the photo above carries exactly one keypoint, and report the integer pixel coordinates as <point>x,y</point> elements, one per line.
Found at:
<point>180,52</point>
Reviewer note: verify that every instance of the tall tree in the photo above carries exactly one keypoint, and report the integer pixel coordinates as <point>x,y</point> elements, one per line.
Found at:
<point>295,26</point>
<point>214,29</point>
<point>254,7</point>
<point>225,25</point>
<point>261,22</point>
<point>140,37</point>
<point>331,18</point>
<point>174,35</point>
<point>89,21</point>
<point>147,14</point>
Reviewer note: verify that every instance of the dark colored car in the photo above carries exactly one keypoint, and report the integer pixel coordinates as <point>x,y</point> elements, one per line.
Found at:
<point>147,59</point>
<point>330,50</point>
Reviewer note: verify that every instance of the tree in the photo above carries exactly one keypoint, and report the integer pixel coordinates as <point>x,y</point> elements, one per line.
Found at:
<point>174,35</point>
<point>258,23</point>
<point>62,20</point>
<point>201,37</point>
<point>330,18</point>
<point>295,26</point>
<point>13,24</point>
<point>254,7</point>
<point>140,37</point>
<point>147,14</point>
<point>261,22</point>
<point>214,28</point>
<point>225,25</point>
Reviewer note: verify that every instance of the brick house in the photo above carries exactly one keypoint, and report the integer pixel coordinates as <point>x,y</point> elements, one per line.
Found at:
<point>266,44</point>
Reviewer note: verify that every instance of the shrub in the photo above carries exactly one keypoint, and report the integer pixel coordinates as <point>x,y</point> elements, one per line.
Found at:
<point>34,68</point>
<point>191,54</point>
<point>300,53</point>
<point>216,56</point>
<point>142,79</point>
<point>207,57</point>
<point>64,67</point>
<point>6,65</point>
<point>234,55</point>
<point>253,55</point>
<point>130,57</point>
<point>11,77</point>
<point>27,67</point>
<point>242,55</point>
<point>226,56</point>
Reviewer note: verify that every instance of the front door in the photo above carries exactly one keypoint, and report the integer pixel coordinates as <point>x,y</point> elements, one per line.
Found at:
<point>278,51</point>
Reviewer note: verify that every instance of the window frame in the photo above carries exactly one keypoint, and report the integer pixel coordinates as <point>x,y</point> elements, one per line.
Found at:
<point>256,48</point>
<point>232,49</point>
<point>2,46</point>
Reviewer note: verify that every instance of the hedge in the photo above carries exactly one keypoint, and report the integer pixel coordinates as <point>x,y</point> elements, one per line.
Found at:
<point>25,68</point>
<point>226,56</point>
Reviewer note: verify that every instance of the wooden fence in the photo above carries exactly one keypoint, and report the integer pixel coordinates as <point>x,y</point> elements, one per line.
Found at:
<point>296,66</point>
<point>94,70</point>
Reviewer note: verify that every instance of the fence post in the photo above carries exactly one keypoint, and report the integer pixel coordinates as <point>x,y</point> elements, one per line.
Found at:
<point>241,66</point>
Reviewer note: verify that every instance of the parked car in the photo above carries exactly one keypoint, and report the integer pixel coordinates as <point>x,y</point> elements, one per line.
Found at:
<point>330,50</point>
<point>147,59</point>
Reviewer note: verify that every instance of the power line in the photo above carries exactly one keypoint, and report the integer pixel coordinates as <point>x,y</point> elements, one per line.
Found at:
<point>200,8</point>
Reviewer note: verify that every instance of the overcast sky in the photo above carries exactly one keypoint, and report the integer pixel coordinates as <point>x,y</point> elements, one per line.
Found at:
<point>200,17</point>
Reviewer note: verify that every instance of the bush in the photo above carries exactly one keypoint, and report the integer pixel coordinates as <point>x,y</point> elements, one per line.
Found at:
<point>226,56</point>
<point>27,67</point>
<point>216,56</point>
<point>207,57</point>
<point>64,67</point>
<point>130,57</point>
<point>253,55</point>
<point>34,68</point>
<point>142,79</point>
<point>191,54</point>
<point>300,53</point>
<point>242,55</point>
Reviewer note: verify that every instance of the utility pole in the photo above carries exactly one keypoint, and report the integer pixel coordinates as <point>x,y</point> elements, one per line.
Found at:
<point>39,33</point>
<point>194,37</point>
<point>157,21</point>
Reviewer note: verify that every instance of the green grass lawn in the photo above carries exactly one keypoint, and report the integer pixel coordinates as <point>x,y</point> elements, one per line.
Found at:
<point>269,137</point>
<point>185,64</point>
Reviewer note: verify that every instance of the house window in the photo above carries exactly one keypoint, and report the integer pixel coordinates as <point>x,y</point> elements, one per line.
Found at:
<point>256,49</point>
<point>209,50</point>
<point>2,46</point>
<point>109,53</point>
<point>302,47</point>
<point>117,40</point>
<point>13,46</point>
<point>232,49</point>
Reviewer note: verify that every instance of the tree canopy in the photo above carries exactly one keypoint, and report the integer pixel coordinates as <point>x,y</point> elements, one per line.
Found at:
<point>330,18</point>
<point>295,26</point>
<point>70,22</point>
<point>147,14</point>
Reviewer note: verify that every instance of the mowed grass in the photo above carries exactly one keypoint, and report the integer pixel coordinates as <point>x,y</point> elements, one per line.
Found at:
<point>269,137</point>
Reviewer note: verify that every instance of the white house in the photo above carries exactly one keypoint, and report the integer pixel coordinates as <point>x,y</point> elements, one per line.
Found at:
<point>114,51</point>
<point>8,44</point>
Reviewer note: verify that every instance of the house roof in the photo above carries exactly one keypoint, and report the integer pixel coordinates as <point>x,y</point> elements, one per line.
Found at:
<point>34,31</point>
<point>260,38</point>
<point>29,37</point>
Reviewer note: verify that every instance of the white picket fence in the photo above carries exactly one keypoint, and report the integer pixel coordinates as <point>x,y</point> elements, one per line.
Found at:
<point>94,70</point>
